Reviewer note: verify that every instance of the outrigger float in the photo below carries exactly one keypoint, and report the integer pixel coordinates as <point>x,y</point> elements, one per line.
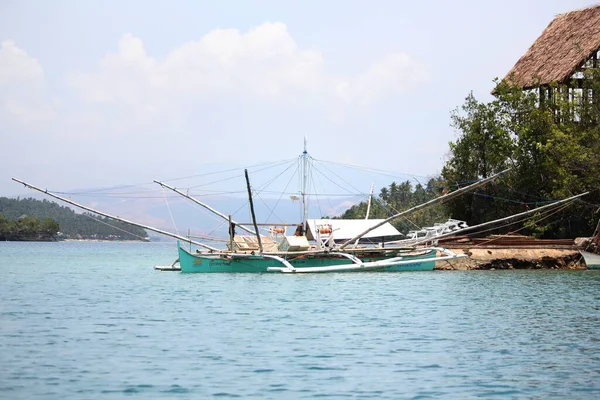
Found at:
<point>317,246</point>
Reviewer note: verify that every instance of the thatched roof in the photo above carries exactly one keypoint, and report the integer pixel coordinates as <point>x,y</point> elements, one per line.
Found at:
<point>569,41</point>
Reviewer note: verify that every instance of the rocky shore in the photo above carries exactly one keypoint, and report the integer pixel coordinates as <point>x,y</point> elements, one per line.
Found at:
<point>501,252</point>
<point>499,259</point>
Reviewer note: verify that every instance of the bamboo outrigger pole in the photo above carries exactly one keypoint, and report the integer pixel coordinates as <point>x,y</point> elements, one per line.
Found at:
<point>420,206</point>
<point>209,208</point>
<point>496,221</point>
<point>150,228</point>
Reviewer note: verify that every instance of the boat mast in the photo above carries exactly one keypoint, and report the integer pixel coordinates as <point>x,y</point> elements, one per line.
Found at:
<point>150,228</point>
<point>304,184</point>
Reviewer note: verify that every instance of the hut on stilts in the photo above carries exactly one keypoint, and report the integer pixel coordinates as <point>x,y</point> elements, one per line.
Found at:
<point>563,62</point>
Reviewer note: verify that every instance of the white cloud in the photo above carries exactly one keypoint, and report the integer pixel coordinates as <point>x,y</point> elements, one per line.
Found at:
<point>253,91</point>
<point>395,73</point>
<point>22,87</point>
<point>16,66</point>
<point>132,89</point>
<point>263,64</point>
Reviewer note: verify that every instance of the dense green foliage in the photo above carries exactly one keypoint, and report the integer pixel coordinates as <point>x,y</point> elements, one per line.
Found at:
<point>17,217</point>
<point>552,146</point>
<point>28,228</point>
<point>400,197</point>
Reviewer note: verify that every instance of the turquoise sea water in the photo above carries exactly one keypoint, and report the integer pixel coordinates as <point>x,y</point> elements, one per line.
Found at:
<point>85,320</point>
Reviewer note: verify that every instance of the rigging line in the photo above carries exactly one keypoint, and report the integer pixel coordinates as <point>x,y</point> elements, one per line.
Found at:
<point>559,209</point>
<point>215,193</point>
<point>217,228</point>
<point>209,239</point>
<point>324,195</point>
<point>282,193</point>
<point>280,163</point>
<point>222,172</point>
<point>268,208</point>
<point>337,184</point>
<point>103,189</point>
<point>263,186</point>
<point>510,200</point>
<point>399,175</point>
<point>512,222</point>
<point>210,183</point>
<point>169,209</point>
<point>108,194</point>
<point>527,194</point>
<point>225,221</point>
<point>127,194</point>
<point>342,179</point>
<point>126,197</point>
<point>316,195</point>
<point>380,171</point>
<point>392,210</point>
<point>232,177</point>
<point>588,203</point>
<point>112,226</point>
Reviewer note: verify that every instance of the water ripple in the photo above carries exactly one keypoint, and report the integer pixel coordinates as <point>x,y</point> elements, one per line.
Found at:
<point>109,326</point>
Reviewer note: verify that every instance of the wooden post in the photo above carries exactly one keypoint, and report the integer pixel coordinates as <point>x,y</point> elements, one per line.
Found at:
<point>231,233</point>
<point>252,211</point>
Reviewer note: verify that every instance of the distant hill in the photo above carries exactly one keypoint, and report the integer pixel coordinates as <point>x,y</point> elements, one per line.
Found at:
<point>72,225</point>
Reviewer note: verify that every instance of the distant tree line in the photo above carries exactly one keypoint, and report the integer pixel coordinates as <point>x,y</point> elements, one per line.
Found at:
<point>553,148</point>
<point>400,197</point>
<point>31,219</point>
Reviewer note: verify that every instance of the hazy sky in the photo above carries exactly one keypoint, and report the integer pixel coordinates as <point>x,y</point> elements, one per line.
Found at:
<point>99,93</point>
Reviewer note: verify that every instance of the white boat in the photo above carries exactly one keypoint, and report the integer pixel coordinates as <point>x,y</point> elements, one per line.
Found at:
<point>591,260</point>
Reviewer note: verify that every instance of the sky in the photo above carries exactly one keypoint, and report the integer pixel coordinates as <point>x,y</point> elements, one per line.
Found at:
<point>104,93</point>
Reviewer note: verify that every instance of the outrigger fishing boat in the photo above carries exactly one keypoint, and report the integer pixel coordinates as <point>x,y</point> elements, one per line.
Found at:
<point>316,245</point>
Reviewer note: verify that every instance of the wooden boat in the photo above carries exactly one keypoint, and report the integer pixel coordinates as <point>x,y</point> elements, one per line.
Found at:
<point>331,248</point>
<point>389,261</point>
<point>293,254</point>
<point>591,260</point>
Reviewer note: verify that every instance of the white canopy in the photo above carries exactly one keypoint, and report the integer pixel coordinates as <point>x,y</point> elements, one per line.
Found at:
<point>344,229</point>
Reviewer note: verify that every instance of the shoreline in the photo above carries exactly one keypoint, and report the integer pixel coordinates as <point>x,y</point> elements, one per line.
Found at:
<point>495,258</point>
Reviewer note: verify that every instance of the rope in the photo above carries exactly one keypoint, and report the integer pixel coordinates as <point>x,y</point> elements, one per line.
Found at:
<point>339,177</point>
<point>549,212</point>
<point>112,226</point>
<point>282,193</point>
<point>227,170</point>
<point>169,208</point>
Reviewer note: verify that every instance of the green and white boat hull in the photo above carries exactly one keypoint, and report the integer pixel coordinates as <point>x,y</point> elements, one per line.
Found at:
<point>422,260</point>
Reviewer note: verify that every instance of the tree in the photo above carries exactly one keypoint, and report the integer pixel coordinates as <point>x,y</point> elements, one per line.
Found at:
<point>551,147</point>
<point>400,197</point>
